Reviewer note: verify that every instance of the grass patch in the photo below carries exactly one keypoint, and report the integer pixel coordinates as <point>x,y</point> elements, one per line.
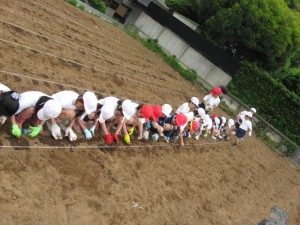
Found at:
<point>72,2</point>
<point>81,7</point>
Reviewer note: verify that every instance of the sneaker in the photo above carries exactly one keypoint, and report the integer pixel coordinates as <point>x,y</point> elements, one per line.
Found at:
<point>213,137</point>
<point>146,135</point>
<point>220,137</point>
<point>154,137</point>
<point>234,145</point>
<point>197,137</point>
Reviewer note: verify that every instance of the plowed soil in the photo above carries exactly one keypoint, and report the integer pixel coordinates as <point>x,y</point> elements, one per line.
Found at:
<point>51,46</point>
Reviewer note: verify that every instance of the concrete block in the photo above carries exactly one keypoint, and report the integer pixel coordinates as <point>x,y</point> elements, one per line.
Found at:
<point>148,26</point>
<point>218,77</point>
<point>172,44</point>
<point>194,60</point>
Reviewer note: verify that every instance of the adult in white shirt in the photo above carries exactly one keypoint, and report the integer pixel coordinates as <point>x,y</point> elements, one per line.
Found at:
<point>72,105</point>
<point>188,106</point>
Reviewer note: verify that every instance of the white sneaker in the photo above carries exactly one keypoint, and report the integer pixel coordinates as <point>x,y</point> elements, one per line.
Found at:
<point>146,135</point>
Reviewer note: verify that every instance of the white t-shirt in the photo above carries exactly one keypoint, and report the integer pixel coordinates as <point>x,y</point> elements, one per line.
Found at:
<point>67,99</point>
<point>189,116</point>
<point>109,100</point>
<point>29,99</point>
<point>241,115</point>
<point>184,108</point>
<point>4,88</point>
<point>211,101</point>
<point>245,125</point>
<point>206,124</point>
<point>230,123</point>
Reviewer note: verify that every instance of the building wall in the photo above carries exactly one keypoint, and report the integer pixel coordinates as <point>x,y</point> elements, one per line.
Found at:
<point>174,45</point>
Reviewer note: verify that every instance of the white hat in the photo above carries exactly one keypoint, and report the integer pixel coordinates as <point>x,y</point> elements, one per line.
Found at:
<point>217,120</point>
<point>201,111</point>
<point>166,109</point>
<point>107,112</point>
<point>195,100</point>
<point>248,114</point>
<point>128,108</point>
<point>89,102</point>
<point>253,110</point>
<point>50,110</point>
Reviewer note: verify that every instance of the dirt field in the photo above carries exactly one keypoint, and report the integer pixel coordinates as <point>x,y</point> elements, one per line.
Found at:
<point>53,46</point>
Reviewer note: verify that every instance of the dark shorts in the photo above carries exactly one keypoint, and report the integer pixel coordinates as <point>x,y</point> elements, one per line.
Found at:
<point>240,133</point>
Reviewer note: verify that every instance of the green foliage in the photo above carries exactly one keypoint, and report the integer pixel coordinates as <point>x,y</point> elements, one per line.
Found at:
<point>290,78</point>
<point>263,31</point>
<point>274,103</point>
<point>72,2</point>
<point>171,60</point>
<point>98,4</point>
<point>153,46</point>
<point>293,4</point>
<point>81,7</point>
<point>266,32</point>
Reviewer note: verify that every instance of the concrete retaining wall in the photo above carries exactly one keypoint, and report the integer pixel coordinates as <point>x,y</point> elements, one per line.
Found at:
<point>174,45</point>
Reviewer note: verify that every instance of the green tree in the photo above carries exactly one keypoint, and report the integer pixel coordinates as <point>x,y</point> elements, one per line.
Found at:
<point>293,4</point>
<point>290,78</point>
<point>262,31</point>
<point>98,4</point>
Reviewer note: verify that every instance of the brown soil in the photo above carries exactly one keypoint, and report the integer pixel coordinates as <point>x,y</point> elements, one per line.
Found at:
<point>53,46</point>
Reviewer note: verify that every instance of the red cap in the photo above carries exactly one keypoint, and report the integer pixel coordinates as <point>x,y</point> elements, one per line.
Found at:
<point>216,91</point>
<point>180,119</point>
<point>214,116</point>
<point>147,111</point>
<point>194,126</point>
<point>156,112</point>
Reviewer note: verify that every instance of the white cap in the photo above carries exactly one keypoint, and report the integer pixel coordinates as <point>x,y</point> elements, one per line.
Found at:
<point>217,120</point>
<point>166,109</point>
<point>195,100</point>
<point>4,88</point>
<point>128,108</point>
<point>230,123</point>
<point>248,114</point>
<point>201,111</point>
<point>51,110</point>
<point>90,102</point>
<point>107,112</point>
<point>253,110</point>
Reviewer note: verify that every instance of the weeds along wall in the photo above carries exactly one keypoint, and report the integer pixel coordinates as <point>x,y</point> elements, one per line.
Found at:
<point>273,101</point>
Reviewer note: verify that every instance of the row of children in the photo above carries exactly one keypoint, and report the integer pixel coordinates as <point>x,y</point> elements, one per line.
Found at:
<point>69,111</point>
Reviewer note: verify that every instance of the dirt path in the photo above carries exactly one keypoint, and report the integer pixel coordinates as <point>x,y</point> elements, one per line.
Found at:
<point>53,46</point>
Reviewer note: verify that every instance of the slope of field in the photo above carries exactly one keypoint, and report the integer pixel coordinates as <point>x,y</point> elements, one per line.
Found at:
<point>51,46</point>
